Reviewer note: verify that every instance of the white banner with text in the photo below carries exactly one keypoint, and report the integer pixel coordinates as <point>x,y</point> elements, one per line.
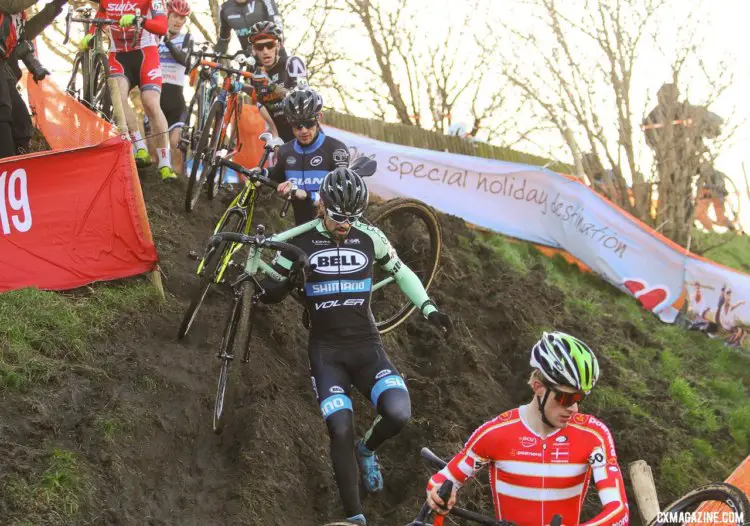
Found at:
<point>541,206</point>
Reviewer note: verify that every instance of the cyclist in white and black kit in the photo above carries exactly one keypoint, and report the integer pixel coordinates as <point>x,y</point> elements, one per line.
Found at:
<point>275,76</point>
<point>344,347</point>
<point>307,159</point>
<point>239,16</point>
<point>173,50</point>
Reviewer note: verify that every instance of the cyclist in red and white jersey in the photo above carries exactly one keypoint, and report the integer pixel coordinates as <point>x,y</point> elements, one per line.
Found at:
<point>543,455</point>
<point>135,62</point>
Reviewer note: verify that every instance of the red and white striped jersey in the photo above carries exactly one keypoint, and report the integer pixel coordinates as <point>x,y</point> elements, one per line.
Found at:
<point>121,39</point>
<point>535,478</point>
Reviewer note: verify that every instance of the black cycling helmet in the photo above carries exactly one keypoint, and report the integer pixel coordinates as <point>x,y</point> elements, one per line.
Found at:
<point>265,29</point>
<point>302,104</point>
<point>344,191</point>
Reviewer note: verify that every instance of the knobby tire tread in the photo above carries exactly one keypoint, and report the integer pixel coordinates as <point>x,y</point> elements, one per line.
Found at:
<point>427,214</point>
<point>717,491</point>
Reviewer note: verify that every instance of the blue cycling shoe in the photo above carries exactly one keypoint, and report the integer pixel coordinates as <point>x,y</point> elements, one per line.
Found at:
<point>369,468</point>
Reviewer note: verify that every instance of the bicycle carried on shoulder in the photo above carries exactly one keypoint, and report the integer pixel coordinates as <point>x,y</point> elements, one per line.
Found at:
<point>220,131</point>
<point>88,80</point>
<point>411,226</point>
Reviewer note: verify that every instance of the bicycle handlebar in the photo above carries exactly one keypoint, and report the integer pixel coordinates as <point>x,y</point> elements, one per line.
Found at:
<point>202,55</point>
<point>98,22</point>
<point>253,175</point>
<point>259,241</point>
<point>215,65</point>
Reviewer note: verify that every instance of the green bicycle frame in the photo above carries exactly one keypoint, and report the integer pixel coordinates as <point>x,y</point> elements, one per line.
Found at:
<point>254,261</point>
<point>245,200</point>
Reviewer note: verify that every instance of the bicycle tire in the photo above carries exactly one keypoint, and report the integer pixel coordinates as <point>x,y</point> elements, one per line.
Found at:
<point>191,130</point>
<point>225,142</point>
<point>72,87</point>
<point>427,215</point>
<point>101,100</point>
<point>732,496</point>
<point>202,151</point>
<point>208,271</point>
<point>224,392</point>
<point>245,325</point>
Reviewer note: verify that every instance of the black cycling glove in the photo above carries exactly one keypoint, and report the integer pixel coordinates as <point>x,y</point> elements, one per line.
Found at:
<point>299,272</point>
<point>441,321</point>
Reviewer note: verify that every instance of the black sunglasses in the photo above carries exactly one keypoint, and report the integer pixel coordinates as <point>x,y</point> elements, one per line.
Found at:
<point>566,399</point>
<point>304,124</point>
<point>264,45</point>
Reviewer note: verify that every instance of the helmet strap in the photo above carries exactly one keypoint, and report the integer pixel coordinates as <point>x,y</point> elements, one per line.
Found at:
<point>541,402</point>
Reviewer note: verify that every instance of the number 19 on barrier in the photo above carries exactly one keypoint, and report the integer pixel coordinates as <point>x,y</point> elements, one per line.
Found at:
<point>15,210</point>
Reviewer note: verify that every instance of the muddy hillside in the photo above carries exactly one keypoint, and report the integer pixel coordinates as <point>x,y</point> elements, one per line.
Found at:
<point>125,428</point>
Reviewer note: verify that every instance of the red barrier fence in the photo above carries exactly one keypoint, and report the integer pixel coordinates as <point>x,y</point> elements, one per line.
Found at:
<point>76,214</point>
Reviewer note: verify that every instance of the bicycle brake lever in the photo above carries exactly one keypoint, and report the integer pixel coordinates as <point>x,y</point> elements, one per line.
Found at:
<point>288,202</point>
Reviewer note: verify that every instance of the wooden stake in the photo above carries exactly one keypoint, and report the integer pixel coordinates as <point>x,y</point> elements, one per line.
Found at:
<point>644,489</point>
<point>156,281</point>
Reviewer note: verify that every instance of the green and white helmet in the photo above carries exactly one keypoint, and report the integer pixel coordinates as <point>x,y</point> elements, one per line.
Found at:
<point>565,360</point>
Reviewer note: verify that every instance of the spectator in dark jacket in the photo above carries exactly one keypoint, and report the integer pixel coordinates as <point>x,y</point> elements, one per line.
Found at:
<point>15,121</point>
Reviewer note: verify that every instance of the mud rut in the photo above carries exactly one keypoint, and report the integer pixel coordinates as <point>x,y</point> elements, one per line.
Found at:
<point>270,466</point>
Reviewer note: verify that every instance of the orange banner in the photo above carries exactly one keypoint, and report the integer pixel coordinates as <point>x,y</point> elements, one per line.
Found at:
<point>65,122</point>
<point>251,125</point>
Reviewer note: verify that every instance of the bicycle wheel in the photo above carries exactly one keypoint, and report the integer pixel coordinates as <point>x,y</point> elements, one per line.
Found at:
<point>227,143</point>
<point>194,121</point>
<point>245,325</point>
<point>224,393</point>
<point>414,231</point>
<point>732,499</point>
<point>101,101</point>
<point>204,157</point>
<point>75,84</point>
<point>208,270</point>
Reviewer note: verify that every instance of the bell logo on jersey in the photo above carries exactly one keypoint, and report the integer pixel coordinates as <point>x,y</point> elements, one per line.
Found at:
<point>338,261</point>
